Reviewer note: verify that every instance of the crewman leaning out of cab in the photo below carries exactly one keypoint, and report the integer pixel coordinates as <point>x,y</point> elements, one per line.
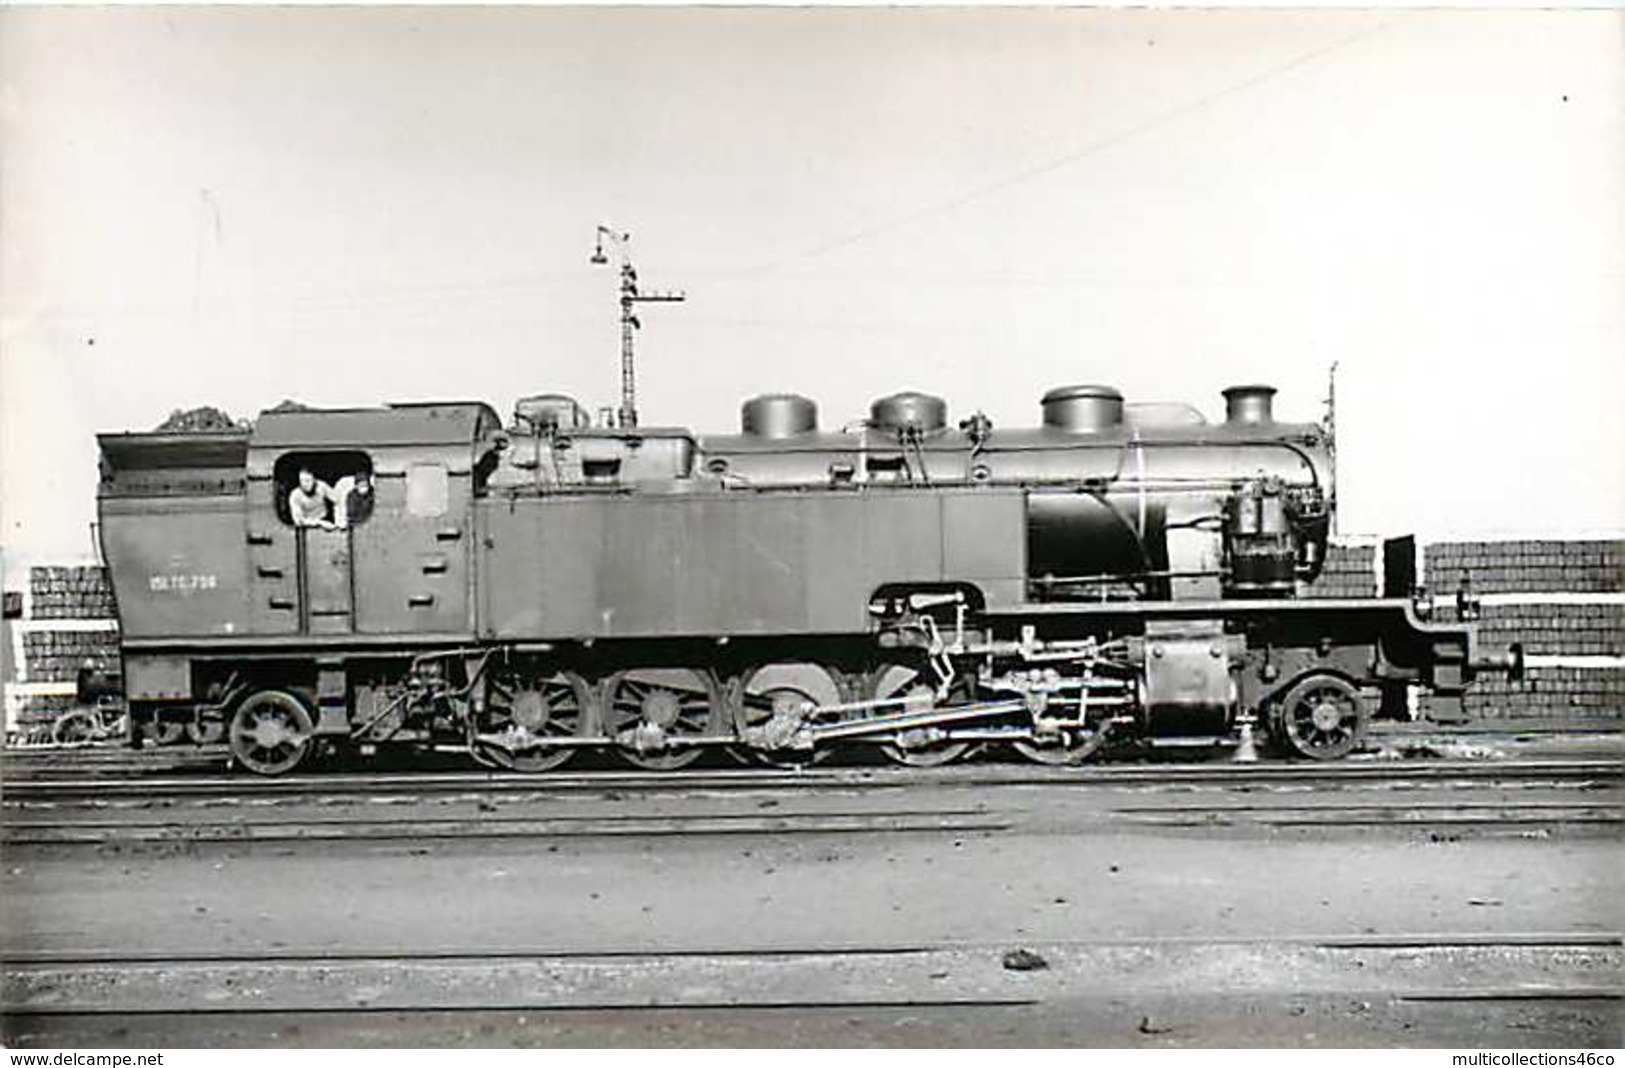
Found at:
<point>307,502</point>
<point>352,499</point>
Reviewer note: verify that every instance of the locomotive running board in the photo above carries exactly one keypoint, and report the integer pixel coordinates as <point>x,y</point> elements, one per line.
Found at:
<point>1452,646</point>
<point>1222,608</point>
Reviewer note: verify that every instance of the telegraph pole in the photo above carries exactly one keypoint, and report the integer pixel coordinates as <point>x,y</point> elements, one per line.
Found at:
<point>631,296</point>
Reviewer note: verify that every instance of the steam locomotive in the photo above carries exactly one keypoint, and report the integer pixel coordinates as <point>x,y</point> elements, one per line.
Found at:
<point>1119,572</point>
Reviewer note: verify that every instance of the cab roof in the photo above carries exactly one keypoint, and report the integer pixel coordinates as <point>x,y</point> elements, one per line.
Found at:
<point>457,423</point>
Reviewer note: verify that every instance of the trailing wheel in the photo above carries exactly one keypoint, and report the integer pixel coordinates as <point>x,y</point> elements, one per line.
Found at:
<point>1322,717</point>
<point>768,710</point>
<point>648,712</point>
<point>75,728</point>
<point>521,708</point>
<point>919,747</point>
<point>271,732</point>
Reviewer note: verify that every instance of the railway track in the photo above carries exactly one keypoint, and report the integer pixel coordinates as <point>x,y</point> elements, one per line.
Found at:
<point>1476,741</point>
<point>1236,775</point>
<point>1537,799</point>
<point>1374,979</point>
<point>1502,819</point>
<point>416,830</point>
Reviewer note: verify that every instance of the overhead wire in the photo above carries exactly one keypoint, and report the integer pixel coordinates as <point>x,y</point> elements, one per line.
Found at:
<point>1093,148</point>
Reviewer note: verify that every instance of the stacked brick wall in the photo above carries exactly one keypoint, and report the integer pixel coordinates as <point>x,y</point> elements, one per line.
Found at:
<point>1349,572</point>
<point>57,656</point>
<point>67,622</point>
<point>1555,629</point>
<point>1561,600</point>
<point>1550,693</point>
<point>70,593</point>
<point>42,708</point>
<point>1527,566</point>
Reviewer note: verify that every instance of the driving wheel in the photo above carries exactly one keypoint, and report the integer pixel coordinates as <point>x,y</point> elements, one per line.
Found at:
<point>774,696</point>
<point>648,712</point>
<point>521,709</point>
<point>917,748</point>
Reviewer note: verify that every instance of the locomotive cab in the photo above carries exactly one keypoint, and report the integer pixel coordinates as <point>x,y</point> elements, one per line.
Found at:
<point>403,569</point>
<point>224,597</point>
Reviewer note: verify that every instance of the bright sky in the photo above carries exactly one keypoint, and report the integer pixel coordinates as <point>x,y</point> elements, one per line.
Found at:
<point>233,206</point>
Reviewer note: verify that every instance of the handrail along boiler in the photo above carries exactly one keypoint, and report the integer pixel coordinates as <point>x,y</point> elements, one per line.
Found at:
<point>1117,572</point>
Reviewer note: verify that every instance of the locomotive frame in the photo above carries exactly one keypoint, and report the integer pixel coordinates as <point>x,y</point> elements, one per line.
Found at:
<point>528,591</point>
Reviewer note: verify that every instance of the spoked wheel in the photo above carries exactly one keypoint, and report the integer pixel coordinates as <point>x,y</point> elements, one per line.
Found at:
<point>271,732</point>
<point>646,709</point>
<point>771,698</point>
<point>1323,717</point>
<point>521,708</point>
<point>915,748</point>
<point>75,728</point>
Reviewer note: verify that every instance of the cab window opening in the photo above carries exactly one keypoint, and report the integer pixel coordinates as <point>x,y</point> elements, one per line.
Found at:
<point>333,490</point>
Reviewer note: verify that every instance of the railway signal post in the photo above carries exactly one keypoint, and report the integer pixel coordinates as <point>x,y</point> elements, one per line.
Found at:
<point>631,296</point>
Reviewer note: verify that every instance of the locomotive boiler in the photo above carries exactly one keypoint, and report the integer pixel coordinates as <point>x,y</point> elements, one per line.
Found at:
<point>1117,571</point>
<point>1145,496</point>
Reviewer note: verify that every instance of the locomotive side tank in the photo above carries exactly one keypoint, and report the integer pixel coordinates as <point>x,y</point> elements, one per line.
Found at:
<point>1118,571</point>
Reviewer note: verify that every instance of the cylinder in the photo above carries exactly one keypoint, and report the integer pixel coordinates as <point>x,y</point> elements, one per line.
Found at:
<point>778,415</point>
<point>917,412</point>
<point>1083,409</point>
<point>1249,405</point>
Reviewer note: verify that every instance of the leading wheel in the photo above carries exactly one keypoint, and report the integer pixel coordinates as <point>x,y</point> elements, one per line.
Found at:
<point>271,732</point>
<point>521,709</point>
<point>1323,717</point>
<point>649,712</point>
<point>918,747</point>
